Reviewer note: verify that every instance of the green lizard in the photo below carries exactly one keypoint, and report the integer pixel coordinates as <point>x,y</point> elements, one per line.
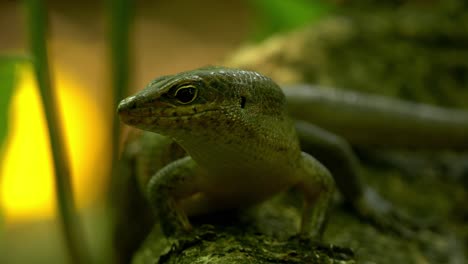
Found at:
<point>243,147</point>
<point>242,144</point>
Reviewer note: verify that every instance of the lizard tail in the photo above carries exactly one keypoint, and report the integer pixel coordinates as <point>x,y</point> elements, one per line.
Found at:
<point>371,120</point>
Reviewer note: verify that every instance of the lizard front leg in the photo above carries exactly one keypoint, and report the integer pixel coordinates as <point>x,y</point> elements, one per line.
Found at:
<point>317,185</point>
<point>176,181</point>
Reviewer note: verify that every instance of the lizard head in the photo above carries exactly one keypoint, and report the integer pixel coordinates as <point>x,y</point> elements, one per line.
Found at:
<point>202,101</point>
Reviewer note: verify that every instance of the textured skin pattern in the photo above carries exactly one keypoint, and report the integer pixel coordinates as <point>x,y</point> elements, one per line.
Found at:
<point>242,145</point>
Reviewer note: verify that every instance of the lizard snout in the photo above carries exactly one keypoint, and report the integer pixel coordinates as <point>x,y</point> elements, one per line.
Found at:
<point>126,107</point>
<point>136,112</point>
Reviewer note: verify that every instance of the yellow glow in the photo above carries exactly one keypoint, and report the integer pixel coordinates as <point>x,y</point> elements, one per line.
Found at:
<point>27,190</point>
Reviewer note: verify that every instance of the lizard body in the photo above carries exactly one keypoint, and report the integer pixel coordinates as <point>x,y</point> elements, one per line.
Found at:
<point>241,141</point>
<point>243,147</point>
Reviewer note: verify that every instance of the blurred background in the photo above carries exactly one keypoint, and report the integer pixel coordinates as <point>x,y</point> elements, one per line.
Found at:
<point>167,36</point>
<point>412,49</point>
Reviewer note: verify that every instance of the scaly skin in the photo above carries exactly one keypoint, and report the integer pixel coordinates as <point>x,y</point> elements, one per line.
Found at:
<point>241,142</point>
<point>243,148</point>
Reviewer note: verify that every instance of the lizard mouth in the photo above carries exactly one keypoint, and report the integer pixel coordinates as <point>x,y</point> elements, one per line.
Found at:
<point>127,112</point>
<point>191,114</point>
<point>156,122</point>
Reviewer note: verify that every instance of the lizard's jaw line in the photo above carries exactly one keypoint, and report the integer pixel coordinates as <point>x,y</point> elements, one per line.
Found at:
<point>159,116</point>
<point>150,120</point>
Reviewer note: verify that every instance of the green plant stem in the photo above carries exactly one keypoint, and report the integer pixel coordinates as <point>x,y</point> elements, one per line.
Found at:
<point>36,23</point>
<point>120,17</point>
<point>120,21</point>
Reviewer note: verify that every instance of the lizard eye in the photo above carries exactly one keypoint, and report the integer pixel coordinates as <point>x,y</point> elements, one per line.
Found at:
<point>186,94</point>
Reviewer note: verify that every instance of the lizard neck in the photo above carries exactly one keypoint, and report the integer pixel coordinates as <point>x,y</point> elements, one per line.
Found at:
<point>268,142</point>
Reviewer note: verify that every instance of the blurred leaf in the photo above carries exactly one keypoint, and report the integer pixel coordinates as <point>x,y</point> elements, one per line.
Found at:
<point>7,83</point>
<point>37,30</point>
<point>8,67</point>
<point>279,15</point>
